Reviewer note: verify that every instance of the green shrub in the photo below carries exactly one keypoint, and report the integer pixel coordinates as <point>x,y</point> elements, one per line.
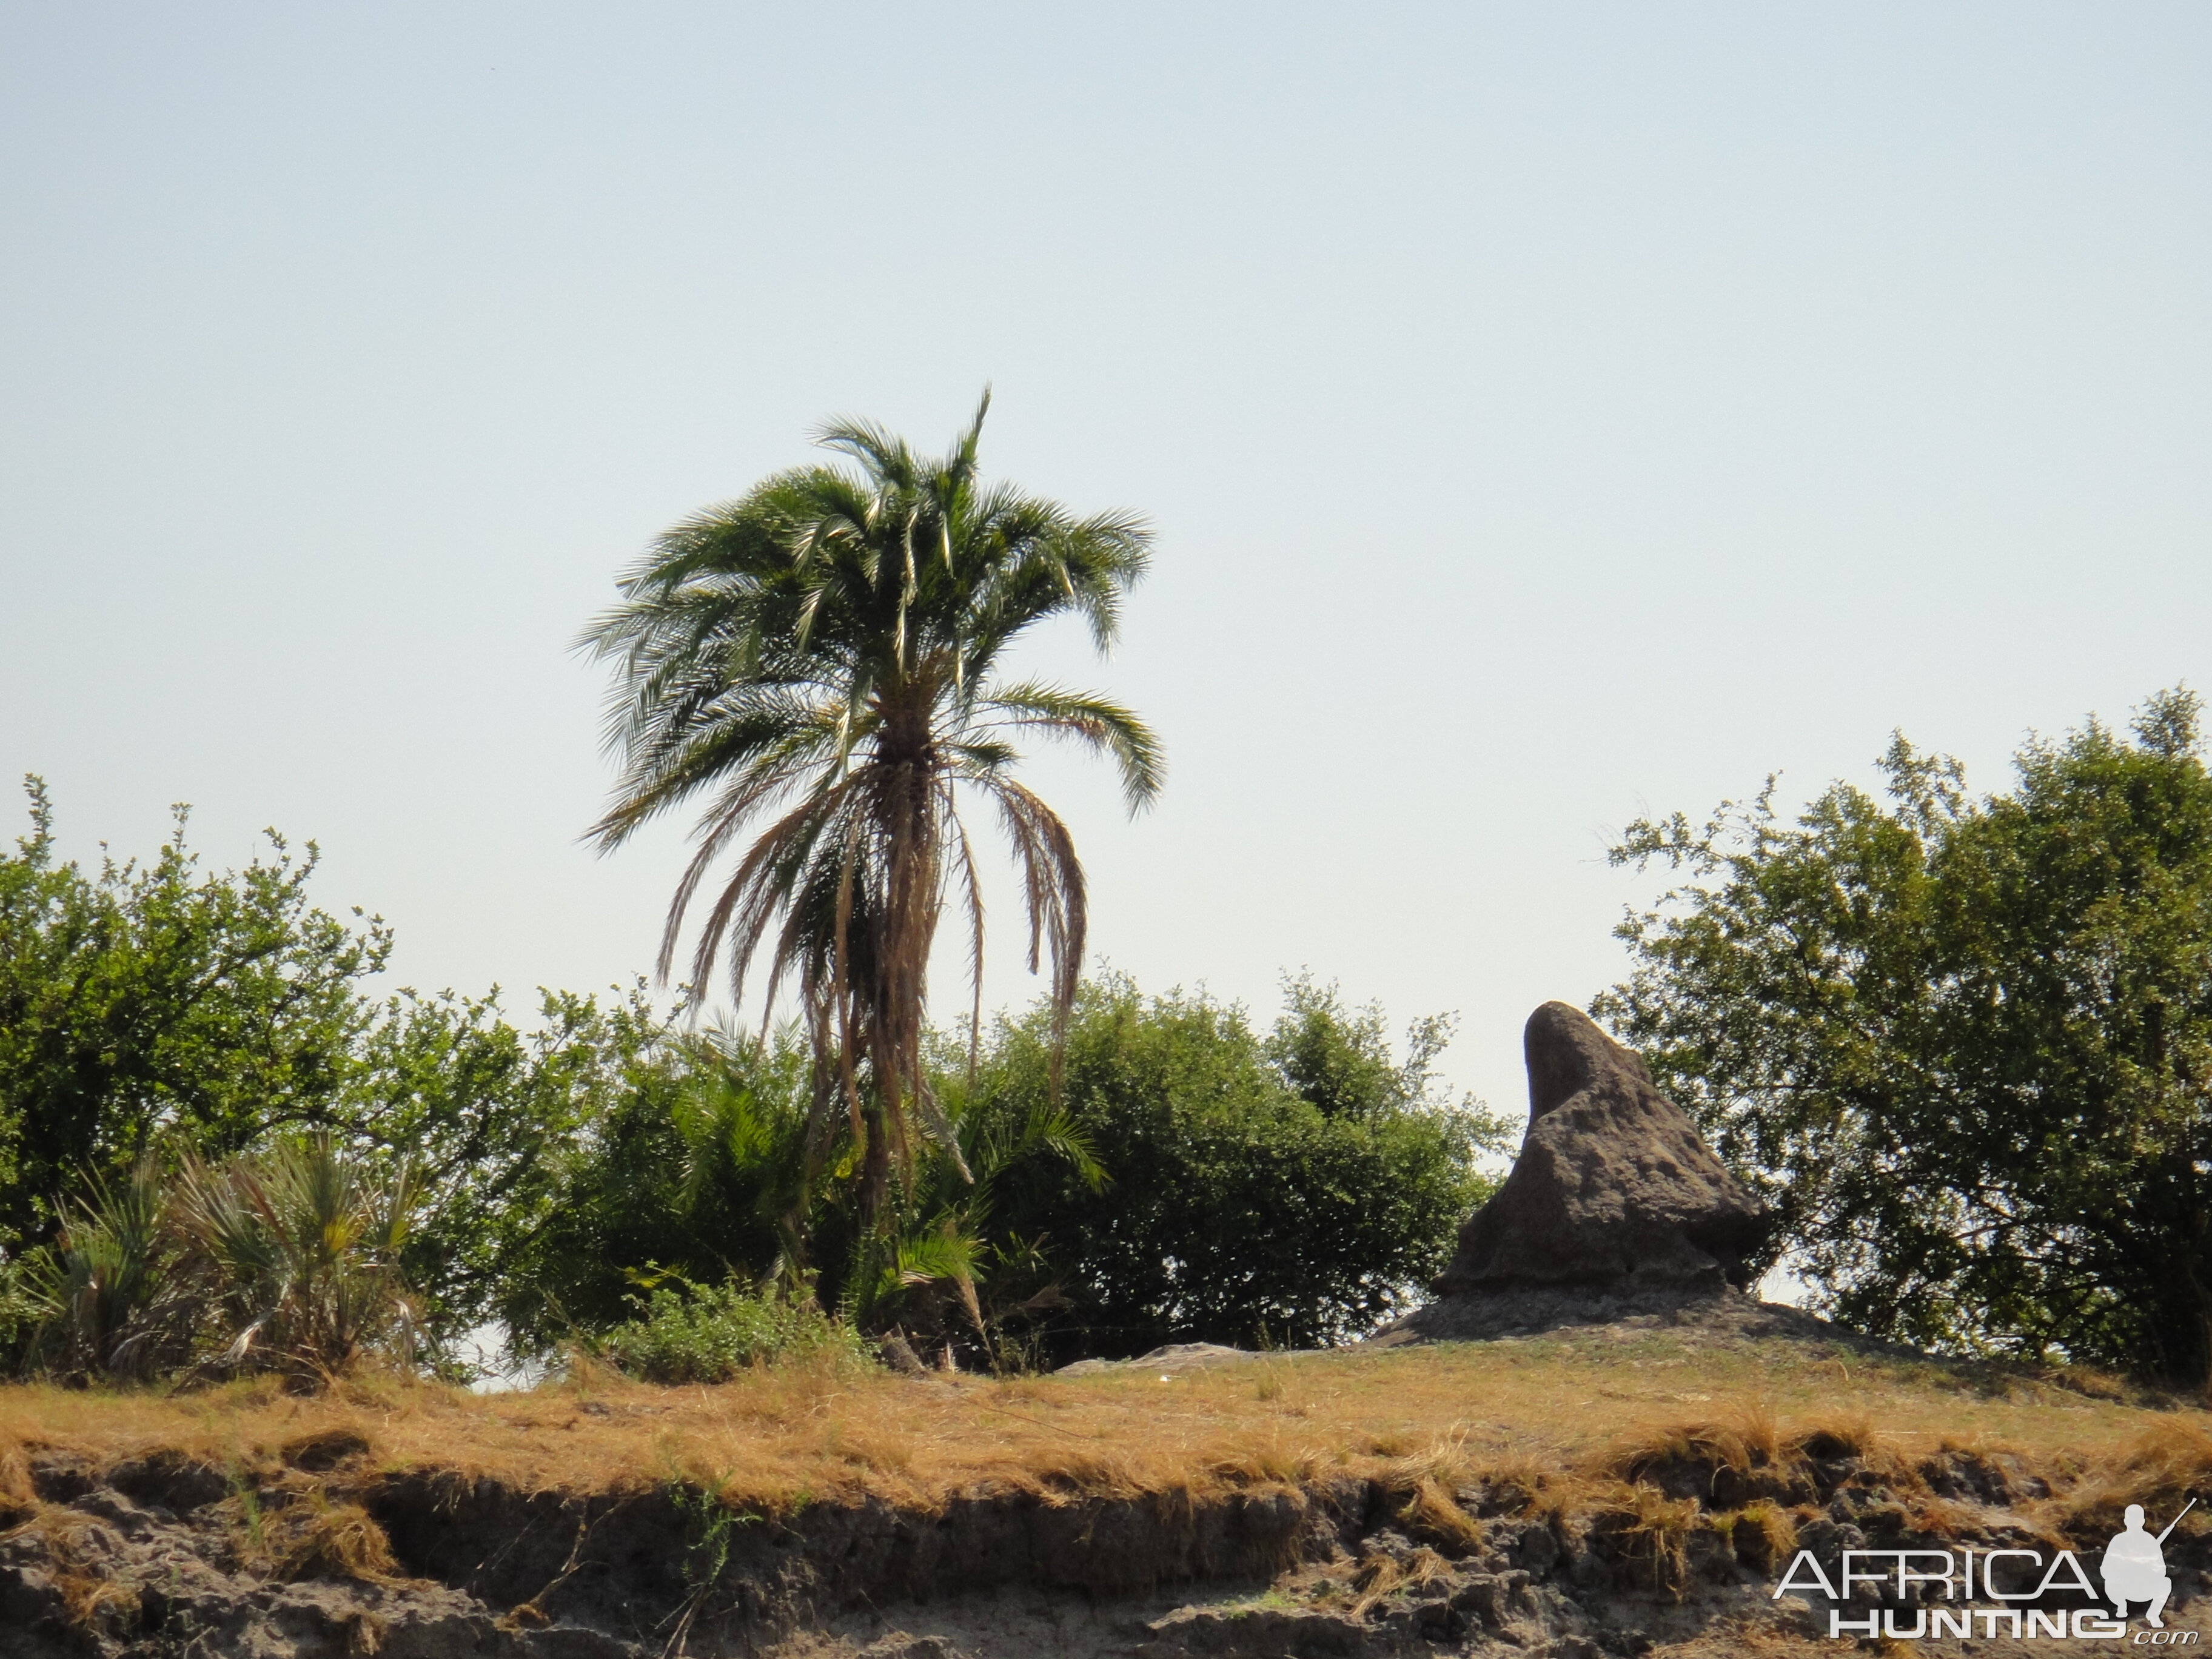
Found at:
<point>710,1333</point>
<point>1296,1188</point>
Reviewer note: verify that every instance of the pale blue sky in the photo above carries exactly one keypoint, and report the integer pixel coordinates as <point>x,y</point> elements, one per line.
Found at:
<point>1549,412</point>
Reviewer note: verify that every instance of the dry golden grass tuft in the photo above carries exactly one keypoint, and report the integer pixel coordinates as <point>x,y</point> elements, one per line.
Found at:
<point>1378,1574</point>
<point>2088,1381</point>
<point>2162,1468</point>
<point>1652,1532</point>
<point>1775,1527</point>
<point>317,1538</point>
<point>1698,1444</point>
<point>1434,1514</point>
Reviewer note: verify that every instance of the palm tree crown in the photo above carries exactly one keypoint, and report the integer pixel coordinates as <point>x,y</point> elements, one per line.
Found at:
<point>819,657</point>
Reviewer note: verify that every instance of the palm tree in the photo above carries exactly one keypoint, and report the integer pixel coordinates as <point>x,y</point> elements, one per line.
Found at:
<point>819,660</point>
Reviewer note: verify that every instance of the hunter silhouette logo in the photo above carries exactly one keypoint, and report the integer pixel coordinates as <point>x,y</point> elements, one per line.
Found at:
<point>2134,1567</point>
<point>1938,1590</point>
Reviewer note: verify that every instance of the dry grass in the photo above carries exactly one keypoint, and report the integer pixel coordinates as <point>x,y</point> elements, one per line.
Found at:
<point>1433,1513</point>
<point>2161,1468</point>
<point>17,1500</point>
<point>1378,1574</point>
<point>76,1551</point>
<point>1533,1425</point>
<point>1777,1526</point>
<point>316,1538</point>
<point>1653,1531</point>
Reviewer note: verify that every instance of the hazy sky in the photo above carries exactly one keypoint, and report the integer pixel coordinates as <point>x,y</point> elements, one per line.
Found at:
<point>1549,413</point>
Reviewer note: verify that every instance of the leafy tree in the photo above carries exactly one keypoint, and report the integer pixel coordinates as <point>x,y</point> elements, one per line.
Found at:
<point>150,1014</point>
<point>489,1116</point>
<point>818,662</point>
<point>688,1173</point>
<point>1963,1046</point>
<point>139,1002</point>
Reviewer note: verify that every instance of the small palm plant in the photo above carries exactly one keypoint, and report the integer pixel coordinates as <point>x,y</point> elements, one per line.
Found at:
<point>819,662</point>
<point>285,1260</point>
<point>295,1255</point>
<point>939,1239</point>
<point>103,1291</point>
<point>741,1114</point>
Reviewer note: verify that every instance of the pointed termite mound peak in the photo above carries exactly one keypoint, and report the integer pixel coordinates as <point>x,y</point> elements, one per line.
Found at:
<point>1613,1185</point>
<point>1614,1205</point>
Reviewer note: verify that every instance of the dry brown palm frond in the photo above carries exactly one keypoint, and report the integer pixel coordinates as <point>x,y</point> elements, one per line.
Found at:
<point>1053,883</point>
<point>760,887</point>
<point>730,816</point>
<point>971,895</point>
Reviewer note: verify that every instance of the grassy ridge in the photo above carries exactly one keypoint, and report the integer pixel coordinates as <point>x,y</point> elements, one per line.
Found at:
<point>1568,1412</point>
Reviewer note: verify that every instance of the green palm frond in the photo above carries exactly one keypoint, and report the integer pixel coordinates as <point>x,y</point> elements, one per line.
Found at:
<point>1089,720</point>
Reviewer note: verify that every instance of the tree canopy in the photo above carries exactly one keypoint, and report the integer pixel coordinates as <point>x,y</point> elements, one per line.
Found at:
<point>137,1000</point>
<point>1963,1045</point>
<point>1298,1188</point>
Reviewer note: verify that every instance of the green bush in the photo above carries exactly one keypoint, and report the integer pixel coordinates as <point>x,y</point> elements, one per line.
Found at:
<point>709,1333</point>
<point>693,1166</point>
<point>1298,1189</point>
<point>157,1007</point>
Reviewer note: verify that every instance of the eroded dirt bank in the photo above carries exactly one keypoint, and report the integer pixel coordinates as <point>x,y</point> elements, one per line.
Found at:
<point>1675,1548</point>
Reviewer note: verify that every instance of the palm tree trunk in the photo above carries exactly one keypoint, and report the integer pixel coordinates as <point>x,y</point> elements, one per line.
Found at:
<point>897,977</point>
